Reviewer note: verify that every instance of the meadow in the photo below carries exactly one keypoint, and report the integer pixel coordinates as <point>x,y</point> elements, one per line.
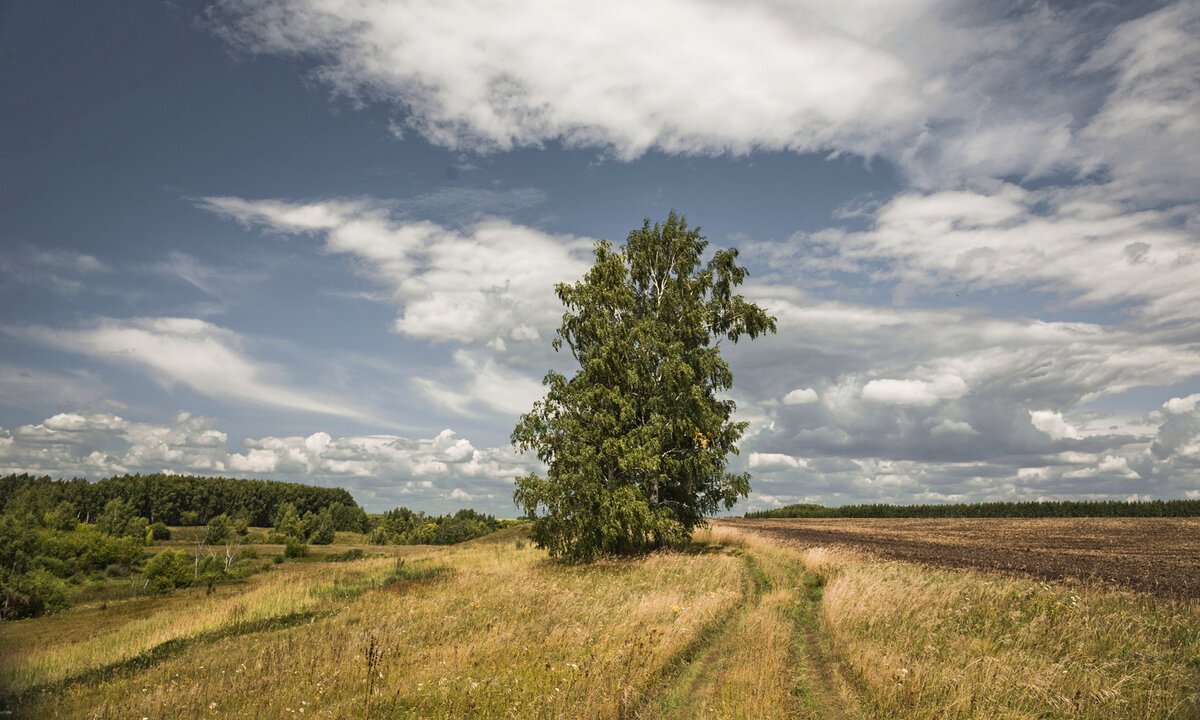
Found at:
<point>735,625</point>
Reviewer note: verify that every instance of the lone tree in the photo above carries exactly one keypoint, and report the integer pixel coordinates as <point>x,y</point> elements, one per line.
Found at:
<point>636,442</point>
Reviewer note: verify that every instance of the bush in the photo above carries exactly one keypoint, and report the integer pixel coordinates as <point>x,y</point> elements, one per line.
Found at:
<point>158,531</point>
<point>30,594</point>
<point>219,530</point>
<point>295,549</point>
<point>168,570</point>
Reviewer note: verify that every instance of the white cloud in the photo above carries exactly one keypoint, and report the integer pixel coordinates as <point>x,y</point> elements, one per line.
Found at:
<point>198,354</point>
<point>492,282</point>
<point>946,88</point>
<point>1148,130</point>
<point>914,392</point>
<point>1053,424</point>
<point>1178,406</point>
<point>377,469</point>
<point>1081,244</point>
<point>490,385</point>
<point>801,396</point>
<point>770,462</point>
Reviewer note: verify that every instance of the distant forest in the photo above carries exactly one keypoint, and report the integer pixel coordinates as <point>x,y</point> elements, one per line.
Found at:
<point>1058,509</point>
<point>173,499</point>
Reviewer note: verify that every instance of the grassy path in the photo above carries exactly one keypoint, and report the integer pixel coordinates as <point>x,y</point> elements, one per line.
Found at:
<point>768,660</point>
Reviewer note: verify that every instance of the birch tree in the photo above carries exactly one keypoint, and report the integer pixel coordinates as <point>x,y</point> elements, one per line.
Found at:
<point>636,442</point>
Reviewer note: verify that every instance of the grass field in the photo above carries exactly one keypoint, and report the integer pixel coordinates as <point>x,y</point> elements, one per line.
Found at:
<point>735,626</point>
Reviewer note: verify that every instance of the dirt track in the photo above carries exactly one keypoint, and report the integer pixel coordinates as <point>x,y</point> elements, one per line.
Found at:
<point>1155,555</point>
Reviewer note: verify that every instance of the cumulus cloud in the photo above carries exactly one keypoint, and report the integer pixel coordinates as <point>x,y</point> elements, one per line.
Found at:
<point>380,470</point>
<point>205,357</point>
<point>801,396</point>
<point>914,392</point>
<point>775,461</point>
<point>1052,424</point>
<point>490,283</point>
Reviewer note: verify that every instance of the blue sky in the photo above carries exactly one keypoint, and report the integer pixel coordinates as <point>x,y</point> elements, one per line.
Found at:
<point>316,240</point>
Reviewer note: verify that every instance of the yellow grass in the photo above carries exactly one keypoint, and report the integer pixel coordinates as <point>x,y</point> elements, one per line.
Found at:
<point>276,594</point>
<point>924,643</point>
<point>505,634</point>
<point>738,627</point>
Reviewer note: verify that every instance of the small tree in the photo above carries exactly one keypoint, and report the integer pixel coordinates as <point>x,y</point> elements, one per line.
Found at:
<point>287,521</point>
<point>219,529</point>
<point>322,532</point>
<point>168,570</point>
<point>636,442</point>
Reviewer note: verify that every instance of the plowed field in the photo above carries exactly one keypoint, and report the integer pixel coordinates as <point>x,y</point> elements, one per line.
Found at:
<point>1155,555</point>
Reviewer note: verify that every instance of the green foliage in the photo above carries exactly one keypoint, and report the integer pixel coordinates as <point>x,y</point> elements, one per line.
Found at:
<point>171,499</point>
<point>64,517</point>
<point>287,521</point>
<point>220,529</point>
<point>119,520</point>
<point>158,531</point>
<point>30,594</point>
<point>1059,508</point>
<point>636,442</point>
<point>168,570</point>
<point>295,549</point>
<point>349,518</point>
<point>402,526</point>
<point>322,532</point>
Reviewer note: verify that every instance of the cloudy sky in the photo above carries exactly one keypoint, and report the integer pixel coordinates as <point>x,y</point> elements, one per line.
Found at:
<point>317,240</point>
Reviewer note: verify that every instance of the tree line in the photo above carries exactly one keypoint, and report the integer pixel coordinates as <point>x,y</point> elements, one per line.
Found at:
<point>1028,509</point>
<point>170,499</point>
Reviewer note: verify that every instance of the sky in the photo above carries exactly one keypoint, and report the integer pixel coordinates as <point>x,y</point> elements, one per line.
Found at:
<point>317,240</point>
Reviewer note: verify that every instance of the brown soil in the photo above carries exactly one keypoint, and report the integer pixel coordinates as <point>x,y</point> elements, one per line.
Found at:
<point>1155,555</point>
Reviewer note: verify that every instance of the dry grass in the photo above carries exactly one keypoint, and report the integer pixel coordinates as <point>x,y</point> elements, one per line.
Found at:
<point>741,628</point>
<point>924,643</point>
<point>505,633</point>
<point>279,593</point>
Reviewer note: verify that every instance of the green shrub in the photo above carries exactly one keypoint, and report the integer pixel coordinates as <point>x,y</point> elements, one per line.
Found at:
<point>295,549</point>
<point>158,531</point>
<point>168,570</point>
<point>219,530</point>
<point>30,594</point>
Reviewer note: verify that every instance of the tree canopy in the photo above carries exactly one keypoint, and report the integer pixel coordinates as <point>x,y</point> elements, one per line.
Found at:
<point>636,442</point>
